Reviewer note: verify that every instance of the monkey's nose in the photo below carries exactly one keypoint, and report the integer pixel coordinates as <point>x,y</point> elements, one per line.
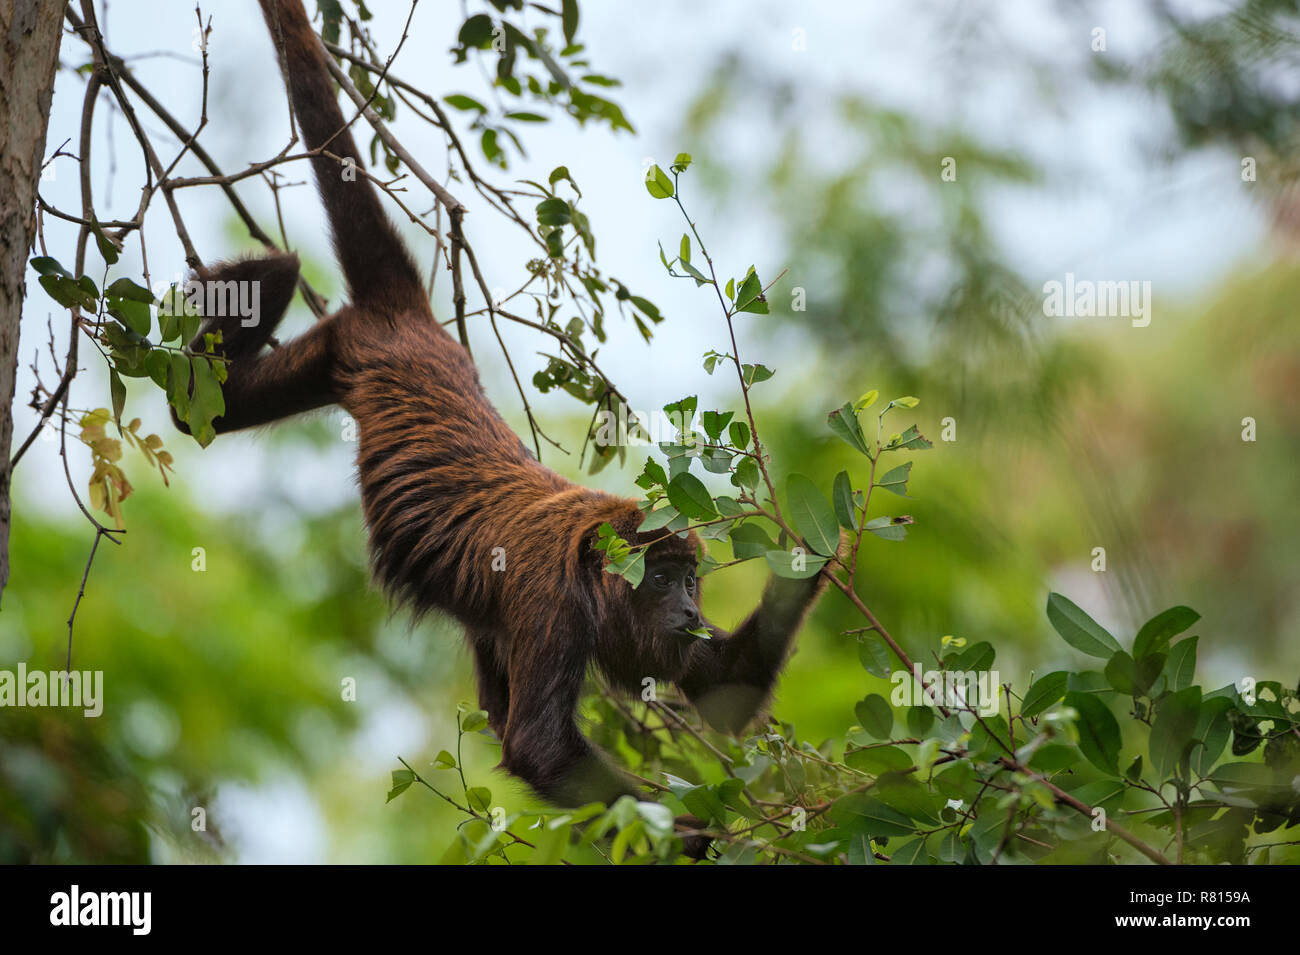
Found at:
<point>692,614</point>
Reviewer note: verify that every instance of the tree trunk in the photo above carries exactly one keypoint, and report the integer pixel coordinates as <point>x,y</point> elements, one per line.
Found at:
<point>30,31</point>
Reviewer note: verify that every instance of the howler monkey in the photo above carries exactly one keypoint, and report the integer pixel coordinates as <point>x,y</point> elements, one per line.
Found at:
<point>445,482</point>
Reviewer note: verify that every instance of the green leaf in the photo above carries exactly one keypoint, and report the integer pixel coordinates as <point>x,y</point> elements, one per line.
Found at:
<point>155,364</point>
<point>879,759</point>
<point>1213,729</point>
<point>555,243</point>
<point>569,20</point>
<point>753,374</point>
<point>739,433</point>
<point>896,480</point>
<point>688,494</point>
<point>45,265</point>
<point>700,277</point>
<point>842,500</point>
<point>714,422</point>
<point>990,738</point>
<point>919,718</point>
<point>844,423</point>
<point>728,506</point>
<point>125,288</point>
<point>875,716</point>
<point>716,460</point>
<point>1180,668</point>
<point>1078,629</point>
<point>631,567</point>
<point>190,321</point>
<point>118,389</point>
<point>402,779</point>
<point>794,566</point>
<point>866,400</point>
<point>479,798</point>
<point>750,540</point>
<point>975,658</point>
<point>956,782</point>
<point>473,721</point>
<point>1099,737</point>
<point>860,813</point>
<point>207,403</point>
<point>64,291</point>
<point>554,212</point>
<point>461,101</point>
<point>1156,633</point>
<point>105,245</point>
<point>911,438</point>
<point>647,307</point>
<point>178,385</point>
<point>1134,771</point>
<point>1053,757</point>
<point>874,657</point>
<point>684,251</point>
<point>1173,729</point>
<point>1088,681</point>
<point>909,797</point>
<point>653,475</point>
<point>890,528</point>
<point>747,474</point>
<point>749,295</point>
<point>661,517</point>
<point>1133,677</point>
<point>1045,691</point>
<point>134,315</point>
<point>444,760</point>
<point>658,184</point>
<point>811,515</point>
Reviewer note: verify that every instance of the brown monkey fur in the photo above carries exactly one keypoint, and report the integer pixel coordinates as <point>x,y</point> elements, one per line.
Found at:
<point>444,481</point>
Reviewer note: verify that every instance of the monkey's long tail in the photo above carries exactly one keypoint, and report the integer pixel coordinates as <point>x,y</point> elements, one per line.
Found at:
<point>375,263</point>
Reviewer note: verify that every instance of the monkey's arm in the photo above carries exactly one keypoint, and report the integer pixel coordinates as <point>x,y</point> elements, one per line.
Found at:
<point>262,386</point>
<point>730,677</point>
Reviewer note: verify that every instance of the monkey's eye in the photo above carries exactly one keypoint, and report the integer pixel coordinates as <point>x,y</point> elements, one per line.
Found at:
<point>690,581</point>
<point>661,579</point>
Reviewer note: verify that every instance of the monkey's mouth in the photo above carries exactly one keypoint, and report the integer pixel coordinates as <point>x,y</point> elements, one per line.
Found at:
<point>690,631</point>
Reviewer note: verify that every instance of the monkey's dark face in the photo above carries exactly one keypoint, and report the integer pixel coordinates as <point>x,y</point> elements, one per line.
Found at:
<point>667,598</point>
